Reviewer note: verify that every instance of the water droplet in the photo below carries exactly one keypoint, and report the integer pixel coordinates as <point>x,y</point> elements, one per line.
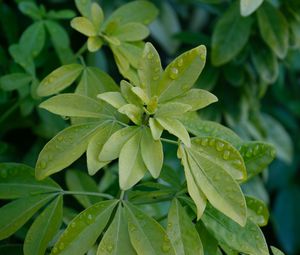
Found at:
<point>256,149</point>
<point>212,142</point>
<point>155,78</point>
<point>226,155</point>
<point>180,62</point>
<point>54,250</point>
<point>185,87</point>
<point>132,227</point>
<point>220,146</point>
<point>61,246</point>
<point>60,138</point>
<point>249,153</point>
<point>150,56</point>
<point>156,69</point>
<point>166,238</point>
<point>204,142</point>
<point>202,57</point>
<point>165,247</point>
<point>238,162</point>
<point>109,248</point>
<point>43,164</point>
<point>173,73</point>
<point>169,225</point>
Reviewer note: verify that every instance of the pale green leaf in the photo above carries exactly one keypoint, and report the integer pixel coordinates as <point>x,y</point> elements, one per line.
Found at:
<point>247,7</point>
<point>80,181</point>
<point>199,127</point>
<point>114,98</point>
<point>257,211</point>
<point>213,179</point>
<point>193,189</point>
<point>84,26</point>
<point>181,74</point>
<point>61,42</point>
<point>141,94</point>
<point>273,28</point>
<point>33,39</point>
<point>112,147</point>
<point>128,94</point>
<point>15,214</point>
<point>63,149</point>
<point>175,127</point>
<point>152,153</point>
<point>171,110</point>
<point>17,180</point>
<point>97,15</point>
<point>156,128</point>
<point>131,166</point>
<point>94,43</point>
<point>182,231</point>
<point>95,81</point>
<point>59,79</point>
<point>146,235</point>
<point>276,251</point>
<point>131,32</point>
<point>230,35</point>
<point>150,70</point>
<point>265,63</point>
<point>257,156</point>
<point>133,112</point>
<point>248,239</point>
<point>83,231</point>
<point>132,52</point>
<point>95,146</point>
<point>74,105</point>
<point>44,228</point>
<point>14,81</point>
<point>136,11</point>
<point>116,239</point>
<point>196,98</point>
<point>84,7</point>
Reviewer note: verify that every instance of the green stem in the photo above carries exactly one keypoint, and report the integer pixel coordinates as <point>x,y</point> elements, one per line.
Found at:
<point>122,195</point>
<point>84,193</point>
<point>10,110</point>
<point>168,141</point>
<point>81,50</point>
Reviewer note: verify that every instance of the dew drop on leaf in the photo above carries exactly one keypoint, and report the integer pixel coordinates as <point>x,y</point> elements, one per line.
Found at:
<point>173,73</point>
<point>212,142</point>
<point>180,62</point>
<point>61,246</point>
<point>204,142</point>
<point>226,155</point>
<point>220,146</point>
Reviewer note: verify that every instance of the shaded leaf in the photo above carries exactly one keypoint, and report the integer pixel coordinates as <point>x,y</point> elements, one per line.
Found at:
<point>248,7</point>
<point>131,32</point>
<point>14,81</point>
<point>84,26</point>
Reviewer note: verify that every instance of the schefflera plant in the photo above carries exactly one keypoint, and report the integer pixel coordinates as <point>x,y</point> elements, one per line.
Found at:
<point>123,31</point>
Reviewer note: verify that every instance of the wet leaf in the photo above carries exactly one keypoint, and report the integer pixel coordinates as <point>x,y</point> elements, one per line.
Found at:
<point>257,211</point>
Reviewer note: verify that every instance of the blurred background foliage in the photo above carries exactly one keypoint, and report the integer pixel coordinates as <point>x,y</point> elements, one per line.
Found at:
<point>253,67</point>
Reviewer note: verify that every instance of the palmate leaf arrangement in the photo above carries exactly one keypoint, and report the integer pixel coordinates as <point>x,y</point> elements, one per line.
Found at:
<point>208,212</point>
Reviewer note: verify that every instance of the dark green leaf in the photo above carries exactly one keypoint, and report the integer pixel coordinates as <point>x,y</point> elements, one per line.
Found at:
<point>14,81</point>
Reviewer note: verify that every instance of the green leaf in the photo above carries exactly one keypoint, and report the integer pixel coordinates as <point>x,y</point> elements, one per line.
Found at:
<point>230,35</point>
<point>17,180</point>
<point>257,156</point>
<point>128,94</point>
<point>33,39</point>
<point>214,179</point>
<point>196,98</point>
<point>133,112</point>
<point>15,214</point>
<point>84,26</point>
<point>84,7</point>
<point>30,9</point>
<point>95,146</point>
<point>61,42</point>
<point>136,11</point>
<point>176,128</point>
<point>116,239</point>
<point>152,153</point>
<point>22,59</point>
<point>94,43</point>
<point>150,70</point>
<point>210,244</point>
<point>171,110</point>
<point>248,239</point>
<point>276,251</point>
<point>132,53</point>
<point>182,231</point>
<point>115,99</point>
<point>15,249</point>
<point>95,81</point>
<point>44,228</point>
<point>156,128</point>
<point>248,7</point>
<point>111,149</point>
<point>131,166</point>
<point>74,105</point>
<point>273,28</point>
<point>199,127</point>
<point>265,63</point>
<point>80,181</point>
<point>146,235</point>
<point>97,15</point>
<point>61,14</point>
<point>14,81</point>
<point>193,189</point>
<point>131,32</point>
<point>83,231</point>
<point>59,79</point>
<point>257,211</point>
<point>181,74</point>
<point>63,149</point>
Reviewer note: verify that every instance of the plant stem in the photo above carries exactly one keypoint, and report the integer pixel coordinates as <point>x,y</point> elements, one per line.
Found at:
<point>10,110</point>
<point>122,194</point>
<point>168,141</point>
<point>84,193</point>
<point>81,50</point>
